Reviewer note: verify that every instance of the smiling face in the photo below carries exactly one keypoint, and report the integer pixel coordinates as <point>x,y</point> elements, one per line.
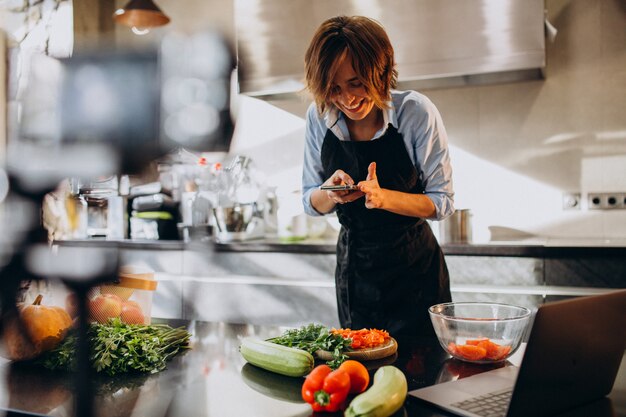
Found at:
<point>367,46</point>
<point>349,94</point>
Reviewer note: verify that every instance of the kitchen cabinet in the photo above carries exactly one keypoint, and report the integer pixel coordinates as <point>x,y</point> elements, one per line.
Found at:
<point>534,274</point>
<point>212,379</point>
<point>266,282</point>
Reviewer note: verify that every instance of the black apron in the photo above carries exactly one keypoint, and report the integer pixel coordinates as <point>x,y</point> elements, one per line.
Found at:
<point>390,267</point>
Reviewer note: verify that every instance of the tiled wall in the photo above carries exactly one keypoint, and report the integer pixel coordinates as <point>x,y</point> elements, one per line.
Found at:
<point>516,148</point>
<point>565,133</point>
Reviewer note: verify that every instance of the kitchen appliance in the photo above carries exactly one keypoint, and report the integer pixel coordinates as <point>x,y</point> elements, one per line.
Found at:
<point>244,207</point>
<point>238,222</point>
<point>97,210</point>
<point>457,228</point>
<point>437,43</point>
<point>100,194</point>
<point>153,217</point>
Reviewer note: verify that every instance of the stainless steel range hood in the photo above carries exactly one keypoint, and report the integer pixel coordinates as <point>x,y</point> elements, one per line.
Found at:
<point>437,42</point>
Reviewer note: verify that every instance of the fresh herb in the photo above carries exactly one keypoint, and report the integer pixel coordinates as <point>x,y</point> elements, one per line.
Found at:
<point>314,337</point>
<point>118,348</point>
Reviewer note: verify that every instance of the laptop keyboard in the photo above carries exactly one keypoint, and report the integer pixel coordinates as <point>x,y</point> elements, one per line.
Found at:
<point>493,404</point>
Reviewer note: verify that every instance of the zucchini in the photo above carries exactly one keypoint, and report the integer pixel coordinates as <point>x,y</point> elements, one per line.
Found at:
<point>383,398</point>
<point>282,360</point>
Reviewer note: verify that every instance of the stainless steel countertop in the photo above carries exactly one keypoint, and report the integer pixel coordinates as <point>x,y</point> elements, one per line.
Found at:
<point>212,379</point>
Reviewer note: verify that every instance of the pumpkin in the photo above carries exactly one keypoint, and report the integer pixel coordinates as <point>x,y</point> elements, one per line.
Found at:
<point>42,329</point>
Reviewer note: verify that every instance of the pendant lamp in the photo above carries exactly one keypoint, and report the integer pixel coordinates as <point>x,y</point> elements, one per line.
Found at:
<point>141,16</point>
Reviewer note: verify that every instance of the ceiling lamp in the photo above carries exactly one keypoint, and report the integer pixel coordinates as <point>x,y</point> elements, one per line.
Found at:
<point>140,16</point>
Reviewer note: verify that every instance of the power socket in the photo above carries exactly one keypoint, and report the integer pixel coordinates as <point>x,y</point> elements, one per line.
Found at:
<point>615,200</point>
<point>571,201</point>
<point>606,201</point>
<point>594,201</point>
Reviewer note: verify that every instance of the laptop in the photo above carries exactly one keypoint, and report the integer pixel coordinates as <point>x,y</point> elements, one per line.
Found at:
<point>573,354</point>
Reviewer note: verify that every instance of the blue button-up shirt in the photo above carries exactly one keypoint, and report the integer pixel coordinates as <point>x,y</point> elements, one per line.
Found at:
<point>418,121</point>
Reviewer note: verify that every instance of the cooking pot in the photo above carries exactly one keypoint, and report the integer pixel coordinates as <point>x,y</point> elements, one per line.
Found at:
<point>457,228</point>
<point>238,222</point>
<point>235,218</point>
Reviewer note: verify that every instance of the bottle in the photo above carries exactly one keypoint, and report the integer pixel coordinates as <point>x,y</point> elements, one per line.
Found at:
<point>76,212</point>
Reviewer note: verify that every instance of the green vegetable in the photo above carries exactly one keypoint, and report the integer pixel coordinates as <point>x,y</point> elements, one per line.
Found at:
<point>118,348</point>
<point>158,215</point>
<point>314,337</point>
<point>272,384</point>
<point>276,358</point>
<point>383,398</point>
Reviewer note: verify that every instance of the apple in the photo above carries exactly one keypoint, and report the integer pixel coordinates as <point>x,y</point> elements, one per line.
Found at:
<point>131,313</point>
<point>123,292</point>
<point>105,306</point>
<point>132,303</point>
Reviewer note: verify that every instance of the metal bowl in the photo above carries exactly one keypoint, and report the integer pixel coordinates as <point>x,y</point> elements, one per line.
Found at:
<point>234,219</point>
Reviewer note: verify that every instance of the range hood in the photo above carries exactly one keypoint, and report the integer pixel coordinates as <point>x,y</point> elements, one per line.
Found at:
<point>437,43</point>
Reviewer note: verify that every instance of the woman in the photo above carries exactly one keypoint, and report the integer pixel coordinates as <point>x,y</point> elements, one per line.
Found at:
<point>393,145</point>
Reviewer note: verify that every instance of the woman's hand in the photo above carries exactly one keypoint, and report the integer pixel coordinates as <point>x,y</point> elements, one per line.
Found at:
<point>339,177</point>
<point>374,195</point>
<point>406,204</point>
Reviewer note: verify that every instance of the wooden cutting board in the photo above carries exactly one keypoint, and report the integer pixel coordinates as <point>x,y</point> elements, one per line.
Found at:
<point>366,354</point>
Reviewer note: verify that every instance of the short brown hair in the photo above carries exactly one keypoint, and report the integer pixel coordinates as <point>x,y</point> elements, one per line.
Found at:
<point>366,43</point>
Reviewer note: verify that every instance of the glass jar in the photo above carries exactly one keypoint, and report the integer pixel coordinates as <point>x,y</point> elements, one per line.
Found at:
<point>97,194</point>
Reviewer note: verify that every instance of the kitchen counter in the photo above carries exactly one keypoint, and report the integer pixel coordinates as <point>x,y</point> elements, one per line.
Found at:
<point>546,248</point>
<point>213,379</point>
<point>293,282</point>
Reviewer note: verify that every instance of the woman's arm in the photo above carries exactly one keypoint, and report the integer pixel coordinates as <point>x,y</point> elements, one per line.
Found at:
<point>318,202</point>
<point>406,204</point>
<point>420,123</point>
<point>312,172</point>
<point>426,140</point>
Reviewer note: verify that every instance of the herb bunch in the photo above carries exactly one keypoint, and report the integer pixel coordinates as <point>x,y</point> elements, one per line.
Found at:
<point>314,337</point>
<point>118,348</point>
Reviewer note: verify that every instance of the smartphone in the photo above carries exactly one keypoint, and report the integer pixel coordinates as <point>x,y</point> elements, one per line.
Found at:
<point>342,187</point>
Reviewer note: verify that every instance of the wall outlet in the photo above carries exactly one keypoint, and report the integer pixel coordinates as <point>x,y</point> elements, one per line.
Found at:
<point>594,201</point>
<point>615,201</point>
<point>606,201</point>
<point>571,201</point>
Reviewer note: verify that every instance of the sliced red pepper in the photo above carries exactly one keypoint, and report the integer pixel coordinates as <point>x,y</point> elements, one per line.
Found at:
<point>471,352</point>
<point>493,350</point>
<point>325,389</point>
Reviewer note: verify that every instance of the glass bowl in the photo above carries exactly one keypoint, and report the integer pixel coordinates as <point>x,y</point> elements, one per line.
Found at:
<point>479,332</point>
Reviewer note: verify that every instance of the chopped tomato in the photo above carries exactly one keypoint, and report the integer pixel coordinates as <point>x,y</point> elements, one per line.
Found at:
<point>502,352</point>
<point>471,352</point>
<point>493,349</point>
<point>364,338</point>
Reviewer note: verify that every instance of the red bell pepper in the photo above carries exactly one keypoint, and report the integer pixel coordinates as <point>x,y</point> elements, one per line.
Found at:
<point>325,389</point>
